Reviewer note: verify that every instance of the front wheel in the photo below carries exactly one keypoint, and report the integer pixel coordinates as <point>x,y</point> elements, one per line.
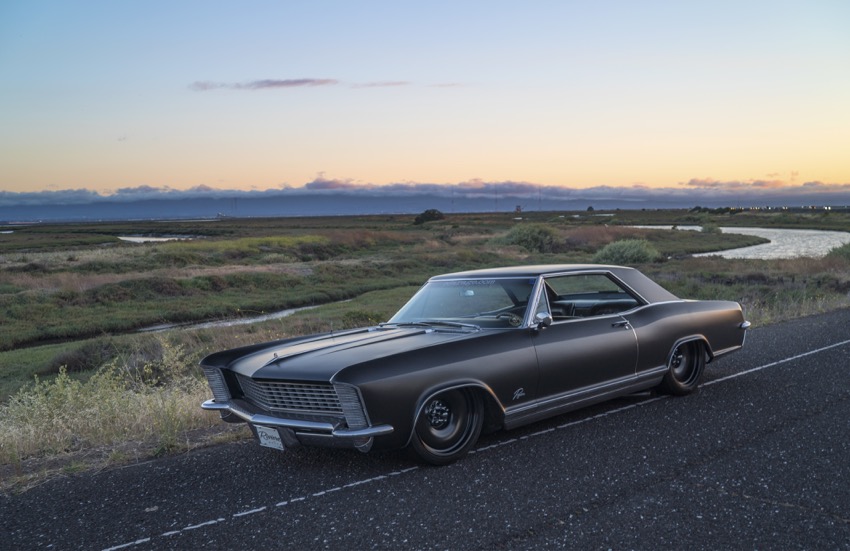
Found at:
<point>684,370</point>
<point>448,426</point>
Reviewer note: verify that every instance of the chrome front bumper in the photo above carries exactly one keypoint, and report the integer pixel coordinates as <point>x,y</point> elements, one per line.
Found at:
<point>307,432</point>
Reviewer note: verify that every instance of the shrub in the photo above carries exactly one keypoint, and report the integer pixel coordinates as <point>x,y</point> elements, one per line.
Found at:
<point>627,251</point>
<point>90,355</point>
<point>428,216</point>
<point>533,237</point>
<point>842,252</point>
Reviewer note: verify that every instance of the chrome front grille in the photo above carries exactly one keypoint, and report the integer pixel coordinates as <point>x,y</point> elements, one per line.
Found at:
<point>283,396</point>
<point>352,407</point>
<point>217,384</point>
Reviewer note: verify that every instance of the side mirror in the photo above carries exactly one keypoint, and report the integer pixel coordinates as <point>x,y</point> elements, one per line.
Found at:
<point>543,319</point>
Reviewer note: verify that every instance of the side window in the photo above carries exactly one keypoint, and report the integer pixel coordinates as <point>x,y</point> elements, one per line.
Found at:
<point>586,295</point>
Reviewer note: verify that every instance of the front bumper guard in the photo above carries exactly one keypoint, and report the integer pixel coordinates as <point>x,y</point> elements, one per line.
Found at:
<point>303,429</point>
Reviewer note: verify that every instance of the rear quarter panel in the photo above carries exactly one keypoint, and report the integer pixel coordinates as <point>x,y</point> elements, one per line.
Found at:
<point>659,327</point>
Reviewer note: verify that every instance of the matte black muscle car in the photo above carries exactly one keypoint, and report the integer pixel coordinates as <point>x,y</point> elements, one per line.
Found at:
<point>495,348</point>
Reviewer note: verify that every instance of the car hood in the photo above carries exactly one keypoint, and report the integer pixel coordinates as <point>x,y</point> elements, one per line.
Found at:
<point>320,358</point>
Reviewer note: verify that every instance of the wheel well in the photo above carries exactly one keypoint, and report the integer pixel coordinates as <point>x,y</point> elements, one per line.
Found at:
<point>706,348</point>
<point>493,412</point>
<point>494,415</point>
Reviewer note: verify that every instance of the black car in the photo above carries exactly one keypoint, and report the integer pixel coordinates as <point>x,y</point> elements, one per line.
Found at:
<point>494,348</point>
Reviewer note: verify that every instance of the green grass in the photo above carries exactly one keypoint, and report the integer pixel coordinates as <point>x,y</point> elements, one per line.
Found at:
<point>18,367</point>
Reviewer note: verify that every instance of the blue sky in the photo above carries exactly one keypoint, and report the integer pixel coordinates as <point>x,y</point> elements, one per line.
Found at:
<point>109,96</point>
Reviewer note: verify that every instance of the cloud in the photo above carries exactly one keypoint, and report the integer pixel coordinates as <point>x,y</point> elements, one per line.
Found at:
<point>382,84</point>
<point>265,84</point>
<point>703,192</point>
<point>58,197</point>
<point>321,184</point>
<point>755,188</point>
<point>735,185</point>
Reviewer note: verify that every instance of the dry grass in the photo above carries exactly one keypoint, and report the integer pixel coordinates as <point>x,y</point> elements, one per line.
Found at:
<point>53,259</point>
<point>154,405</point>
<point>76,282</point>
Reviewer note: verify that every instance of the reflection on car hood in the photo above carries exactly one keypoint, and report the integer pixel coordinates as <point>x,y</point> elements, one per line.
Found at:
<point>320,358</point>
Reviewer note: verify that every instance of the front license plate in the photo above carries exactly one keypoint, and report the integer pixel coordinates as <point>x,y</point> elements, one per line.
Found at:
<point>269,437</point>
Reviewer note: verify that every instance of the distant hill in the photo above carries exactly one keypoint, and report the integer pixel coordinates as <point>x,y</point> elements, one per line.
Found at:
<point>46,207</point>
<point>288,205</point>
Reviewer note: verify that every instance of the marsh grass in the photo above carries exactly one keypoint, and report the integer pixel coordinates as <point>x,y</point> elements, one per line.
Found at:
<point>769,290</point>
<point>130,304</point>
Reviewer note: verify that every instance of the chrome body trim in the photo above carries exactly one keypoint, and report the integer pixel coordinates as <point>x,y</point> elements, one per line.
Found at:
<point>718,353</point>
<point>554,405</point>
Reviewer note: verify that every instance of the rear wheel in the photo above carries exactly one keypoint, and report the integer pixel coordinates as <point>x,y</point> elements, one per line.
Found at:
<point>448,426</point>
<point>684,370</point>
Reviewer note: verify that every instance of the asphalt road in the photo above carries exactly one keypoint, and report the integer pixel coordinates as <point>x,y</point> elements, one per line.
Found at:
<point>759,458</point>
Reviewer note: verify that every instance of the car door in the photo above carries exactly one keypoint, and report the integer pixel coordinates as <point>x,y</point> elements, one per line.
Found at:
<point>585,352</point>
<point>583,349</point>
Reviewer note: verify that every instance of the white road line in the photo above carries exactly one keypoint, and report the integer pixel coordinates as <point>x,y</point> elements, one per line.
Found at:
<point>201,525</point>
<point>261,509</point>
<point>482,449</point>
<point>778,362</point>
<point>251,512</point>
<point>137,542</point>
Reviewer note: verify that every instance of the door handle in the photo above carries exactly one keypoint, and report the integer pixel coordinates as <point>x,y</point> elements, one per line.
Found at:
<point>623,323</point>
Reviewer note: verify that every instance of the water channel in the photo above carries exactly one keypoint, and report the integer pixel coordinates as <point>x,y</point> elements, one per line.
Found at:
<point>783,243</point>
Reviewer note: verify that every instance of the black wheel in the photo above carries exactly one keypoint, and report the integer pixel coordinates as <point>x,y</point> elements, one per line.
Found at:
<point>684,370</point>
<point>448,426</point>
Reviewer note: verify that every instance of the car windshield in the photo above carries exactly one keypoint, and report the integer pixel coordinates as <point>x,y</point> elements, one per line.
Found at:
<point>491,302</point>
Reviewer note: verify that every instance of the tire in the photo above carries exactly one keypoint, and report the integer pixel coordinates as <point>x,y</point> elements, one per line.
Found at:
<point>684,369</point>
<point>448,426</point>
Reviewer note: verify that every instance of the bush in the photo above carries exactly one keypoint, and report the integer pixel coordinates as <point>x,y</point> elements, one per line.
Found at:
<point>842,252</point>
<point>90,355</point>
<point>428,216</point>
<point>533,237</point>
<point>627,251</point>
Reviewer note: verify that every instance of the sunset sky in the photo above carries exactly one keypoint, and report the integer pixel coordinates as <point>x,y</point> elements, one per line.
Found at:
<point>175,95</point>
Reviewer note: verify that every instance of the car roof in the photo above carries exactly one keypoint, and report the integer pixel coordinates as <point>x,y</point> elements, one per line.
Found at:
<point>649,290</point>
<point>530,271</point>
